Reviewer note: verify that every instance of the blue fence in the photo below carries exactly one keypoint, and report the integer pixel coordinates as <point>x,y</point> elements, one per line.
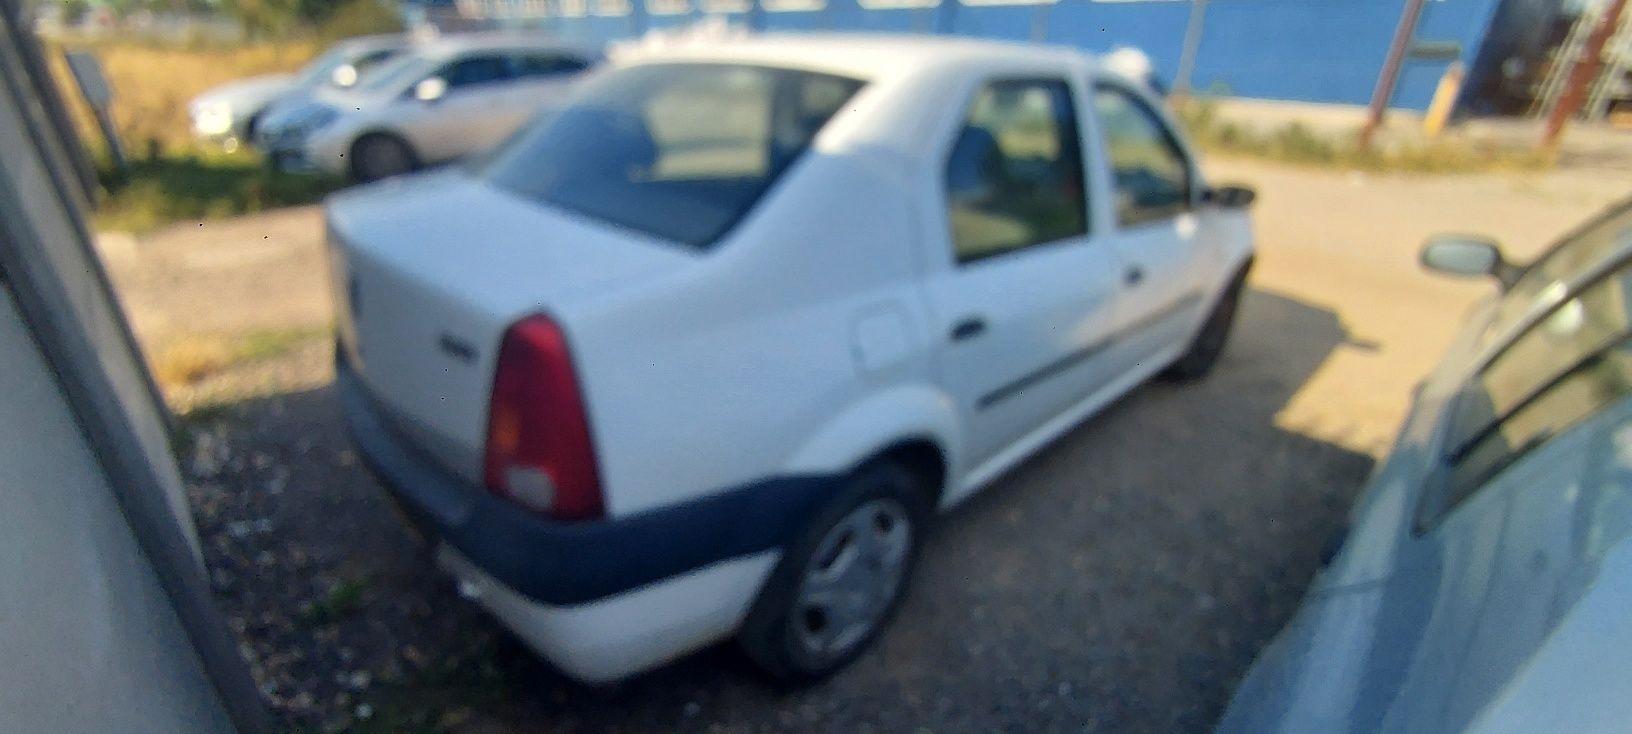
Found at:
<point>1310,50</point>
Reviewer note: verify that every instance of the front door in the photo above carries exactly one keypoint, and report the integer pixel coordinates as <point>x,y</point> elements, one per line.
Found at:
<point>470,114</point>
<point>1156,226</point>
<point>1027,298</point>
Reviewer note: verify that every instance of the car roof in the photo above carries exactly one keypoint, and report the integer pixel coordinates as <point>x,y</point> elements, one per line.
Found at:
<point>862,55</point>
<point>449,45</point>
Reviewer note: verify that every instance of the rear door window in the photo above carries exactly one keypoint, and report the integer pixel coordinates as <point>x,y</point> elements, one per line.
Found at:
<point>1014,175</point>
<point>540,65</point>
<point>475,71</point>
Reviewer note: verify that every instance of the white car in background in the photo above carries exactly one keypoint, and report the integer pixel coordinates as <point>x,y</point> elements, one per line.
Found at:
<point>701,353</point>
<point>229,114</point>
<point>448,98</point>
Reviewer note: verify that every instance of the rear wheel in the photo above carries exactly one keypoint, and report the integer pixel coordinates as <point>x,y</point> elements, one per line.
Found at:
<point>1208,345</point>
<point>841,581</point>
<point>379,155</point>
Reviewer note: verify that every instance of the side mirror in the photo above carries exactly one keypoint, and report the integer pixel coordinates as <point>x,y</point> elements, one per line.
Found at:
<point>343,76</point>
<point>1467,256</point>
<point>431,90</point>
<point>1230,197</point>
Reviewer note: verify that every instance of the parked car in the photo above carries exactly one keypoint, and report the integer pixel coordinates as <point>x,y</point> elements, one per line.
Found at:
<point>229,114</point>
<point>449,98</point>
<point>1485,579</point>
<point>701,353</point>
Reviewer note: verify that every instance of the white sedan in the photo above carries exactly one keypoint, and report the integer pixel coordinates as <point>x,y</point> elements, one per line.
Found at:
<point>701,354</point>
<point>444,99</point>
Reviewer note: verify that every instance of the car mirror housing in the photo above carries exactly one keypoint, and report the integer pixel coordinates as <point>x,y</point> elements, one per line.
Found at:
<point>431,90</point>
<point>1230,197</point>
<point>1466,256</point>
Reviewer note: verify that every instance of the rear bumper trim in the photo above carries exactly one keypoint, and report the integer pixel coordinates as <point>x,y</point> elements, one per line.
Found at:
<point>562,563</point>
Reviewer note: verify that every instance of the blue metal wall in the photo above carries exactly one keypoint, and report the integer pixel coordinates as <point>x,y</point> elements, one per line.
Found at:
<point>1311,50</point>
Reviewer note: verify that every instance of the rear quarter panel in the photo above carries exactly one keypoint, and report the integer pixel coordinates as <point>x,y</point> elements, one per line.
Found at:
<point>731,372</point>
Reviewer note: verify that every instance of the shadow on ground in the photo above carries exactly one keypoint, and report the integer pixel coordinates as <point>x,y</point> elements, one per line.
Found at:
<point>1120,581</point>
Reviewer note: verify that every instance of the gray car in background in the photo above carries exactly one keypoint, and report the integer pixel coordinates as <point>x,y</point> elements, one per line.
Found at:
<point>443,100</point>
<point>229,114</point>
<point>1485,579</point>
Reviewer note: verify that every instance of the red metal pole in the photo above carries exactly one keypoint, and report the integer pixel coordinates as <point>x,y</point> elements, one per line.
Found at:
<point>1390,76</point>
<point>1581,75</point>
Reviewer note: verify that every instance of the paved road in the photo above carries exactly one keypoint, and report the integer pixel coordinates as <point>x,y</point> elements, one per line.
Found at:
<point>1120,581</point>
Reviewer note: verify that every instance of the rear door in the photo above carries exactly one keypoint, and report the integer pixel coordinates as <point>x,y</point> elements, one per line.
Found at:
<point>1024,296</point>
<point>1155,238</point>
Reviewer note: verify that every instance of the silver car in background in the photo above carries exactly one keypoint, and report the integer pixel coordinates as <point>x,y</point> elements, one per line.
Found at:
<point>448,98</point>
<point>1486,578</point>
<point>231,113</point>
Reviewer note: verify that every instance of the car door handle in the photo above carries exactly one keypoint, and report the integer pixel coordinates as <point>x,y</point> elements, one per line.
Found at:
<point>1134,275</point>
<point>969,328</point>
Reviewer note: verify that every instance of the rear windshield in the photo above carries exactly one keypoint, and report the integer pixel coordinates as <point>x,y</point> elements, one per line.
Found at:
<point>679,151</point>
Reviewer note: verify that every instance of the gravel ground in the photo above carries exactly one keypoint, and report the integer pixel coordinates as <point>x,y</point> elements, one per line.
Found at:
<point>1121,580</point>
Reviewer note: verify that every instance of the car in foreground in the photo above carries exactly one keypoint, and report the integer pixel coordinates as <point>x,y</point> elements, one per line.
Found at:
<point>701,353</point>
<point>231,113</point>
<point>446,99</point>
<point>1487,571</point>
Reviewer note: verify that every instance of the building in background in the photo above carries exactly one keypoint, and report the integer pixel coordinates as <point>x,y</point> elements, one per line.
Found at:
<point>1327,51</point>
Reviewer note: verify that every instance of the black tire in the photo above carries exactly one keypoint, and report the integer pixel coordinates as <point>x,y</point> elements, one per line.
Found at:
<point>1208,346</point>
<point>380,155</point>
<point>776,632</point>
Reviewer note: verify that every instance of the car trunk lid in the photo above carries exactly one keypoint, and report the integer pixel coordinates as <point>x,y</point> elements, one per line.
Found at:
<point>428,274</point>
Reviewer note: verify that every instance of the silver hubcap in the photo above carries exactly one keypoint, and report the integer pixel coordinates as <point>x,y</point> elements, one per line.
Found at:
<point>853,577</point>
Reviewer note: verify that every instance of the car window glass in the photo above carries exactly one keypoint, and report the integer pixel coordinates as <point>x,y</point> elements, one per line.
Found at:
<point>1573,254</point>
<point>1014,174</point>
<point>547,64</point>
<point>1559,372</point>
<point>680,151</point>
<point>373,59</point>
<point>1150,174</point>
<point>475,70</point>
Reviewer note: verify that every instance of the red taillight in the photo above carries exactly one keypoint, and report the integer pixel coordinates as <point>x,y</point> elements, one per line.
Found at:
<point>538,447</point>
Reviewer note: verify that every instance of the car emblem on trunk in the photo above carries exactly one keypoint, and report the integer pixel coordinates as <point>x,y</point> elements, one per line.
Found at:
<point>456,347</point>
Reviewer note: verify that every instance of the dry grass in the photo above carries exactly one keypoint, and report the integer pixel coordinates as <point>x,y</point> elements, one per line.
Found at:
<point>188,360</point>
<point>172,177</point>
<point>152,83</point>
<point>1299,144</point>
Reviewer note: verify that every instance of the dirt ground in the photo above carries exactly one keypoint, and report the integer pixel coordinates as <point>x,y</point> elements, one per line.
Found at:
<point>1113,583</point>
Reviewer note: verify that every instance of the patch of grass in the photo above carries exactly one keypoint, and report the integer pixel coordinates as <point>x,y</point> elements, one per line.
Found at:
<point>199,186</point>
<point>1296,143</point>
<point>341,602</point>
<point>153,81</point>
<point>191,359</point>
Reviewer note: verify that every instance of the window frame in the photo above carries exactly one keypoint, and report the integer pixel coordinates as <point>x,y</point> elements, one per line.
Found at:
<point>950,144</point>
<point>504,56</point>
<point>1433,507</point>
<point>1168,131</point>
<point>728,228</point>
<point>518,60</point>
